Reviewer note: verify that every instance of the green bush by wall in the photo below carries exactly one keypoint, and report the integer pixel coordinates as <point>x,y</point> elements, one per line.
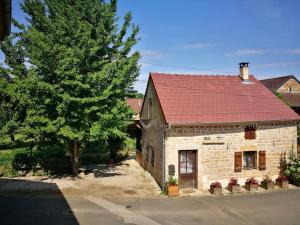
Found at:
<point>49,159</point>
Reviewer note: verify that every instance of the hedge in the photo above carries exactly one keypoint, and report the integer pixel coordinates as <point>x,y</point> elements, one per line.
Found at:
<point>49,159</point>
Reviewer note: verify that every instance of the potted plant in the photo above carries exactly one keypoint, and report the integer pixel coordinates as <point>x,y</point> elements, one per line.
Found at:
<point>282,182</point>
<point>233,186</point>
<point>216,188</point>
<point>251,184</point>
<point>173,189</point>
<point>267,183</point>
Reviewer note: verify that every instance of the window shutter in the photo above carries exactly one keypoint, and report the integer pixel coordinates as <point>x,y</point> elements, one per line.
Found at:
<point>250,133</point>
<point>238,162</point>
<point>262,160</point>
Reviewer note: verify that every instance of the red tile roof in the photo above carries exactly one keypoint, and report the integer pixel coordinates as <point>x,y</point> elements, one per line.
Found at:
<point>292,99</point>
<point>135,104</point>
<point>188,99</point>
<point>275,83</point>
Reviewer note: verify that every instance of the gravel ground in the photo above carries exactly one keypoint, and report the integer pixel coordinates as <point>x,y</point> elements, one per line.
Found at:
<point>126,179</point>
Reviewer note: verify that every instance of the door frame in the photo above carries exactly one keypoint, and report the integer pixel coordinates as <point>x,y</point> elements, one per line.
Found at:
<point>195,169</point>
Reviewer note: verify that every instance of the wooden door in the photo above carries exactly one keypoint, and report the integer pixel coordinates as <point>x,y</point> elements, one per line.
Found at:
<point>187,169</point>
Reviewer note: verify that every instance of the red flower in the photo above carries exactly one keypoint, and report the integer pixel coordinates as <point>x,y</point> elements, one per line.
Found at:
<point>252,180</point>
<point>233,182</point>
<point>282,178</point>
<point>216,184</point>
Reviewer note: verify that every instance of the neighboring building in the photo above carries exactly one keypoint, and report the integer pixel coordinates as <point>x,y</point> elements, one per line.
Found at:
<point>135,104</point>
<point>286,88</point>
<point>214,128</point>
<point>5,18</point>
<point>134,128</point>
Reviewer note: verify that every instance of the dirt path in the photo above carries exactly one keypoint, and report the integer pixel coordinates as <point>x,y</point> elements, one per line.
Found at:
<point>126,179</point>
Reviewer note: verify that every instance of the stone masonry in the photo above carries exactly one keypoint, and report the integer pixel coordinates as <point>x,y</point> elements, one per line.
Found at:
<point>153,143</point>
<point>216,147</point>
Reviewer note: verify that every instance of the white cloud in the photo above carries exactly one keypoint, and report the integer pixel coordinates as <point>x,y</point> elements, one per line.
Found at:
<point>242,52</point>
<point>276,64</point>
<point>152,54</point>
<point>246,52</point>
<point>295,51</point>
<point>197,45</point>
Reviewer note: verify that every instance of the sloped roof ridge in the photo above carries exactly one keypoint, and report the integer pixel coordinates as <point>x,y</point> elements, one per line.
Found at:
<point>194,75</point>
<point>281,77</point>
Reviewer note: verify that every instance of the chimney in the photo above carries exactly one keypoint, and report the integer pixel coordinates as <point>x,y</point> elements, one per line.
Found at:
<point>244,71</point>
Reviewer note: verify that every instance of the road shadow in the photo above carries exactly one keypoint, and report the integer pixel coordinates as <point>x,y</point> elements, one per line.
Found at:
<point>32,202</point>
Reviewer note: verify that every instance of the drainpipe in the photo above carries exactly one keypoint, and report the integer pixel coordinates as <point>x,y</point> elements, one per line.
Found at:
<point>163,153</point>
<point>167,127</point>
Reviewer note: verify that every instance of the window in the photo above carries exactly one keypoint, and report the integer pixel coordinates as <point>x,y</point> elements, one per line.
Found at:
<point>249,160</point>
<point>152,157</point>
<point>150,108</point>
<point>147,154</point>
<point>250,133</point>
<point>290,89</point>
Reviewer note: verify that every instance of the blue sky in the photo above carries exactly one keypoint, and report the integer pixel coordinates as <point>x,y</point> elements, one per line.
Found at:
<point>213,36</point>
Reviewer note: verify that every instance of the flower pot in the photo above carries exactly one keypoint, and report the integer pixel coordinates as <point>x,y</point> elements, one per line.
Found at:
<point>215,190</point>
<point>173,190</point>
<point>268,186</point>
<point>283,184</point>
<point>251,187</point>
<point>234,188</point>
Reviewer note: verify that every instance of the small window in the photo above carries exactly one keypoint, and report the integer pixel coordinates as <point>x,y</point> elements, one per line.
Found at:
<point>152,157</point>
<point>147,154</point>
<point>290,89</point>
<point>249,160</point>
<point>150,108</point>
<point>250,133</point>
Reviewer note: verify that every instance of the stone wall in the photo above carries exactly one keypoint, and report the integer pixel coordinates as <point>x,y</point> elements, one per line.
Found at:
<point>216,147</point>
<point>152,135</point>
<point>153,139</point>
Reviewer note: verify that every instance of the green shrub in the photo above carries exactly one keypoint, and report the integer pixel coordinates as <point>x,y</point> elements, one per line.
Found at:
<point>94,153</point>
<point>6,162</point>
<point>52,159</point>
<point>94,158</point>
<point>293,169</point>
<point>130,144</point>
<point>23,161</point>
<point>49,159</point>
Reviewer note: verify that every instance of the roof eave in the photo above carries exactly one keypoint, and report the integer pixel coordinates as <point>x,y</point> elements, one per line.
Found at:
<point>230,123</point>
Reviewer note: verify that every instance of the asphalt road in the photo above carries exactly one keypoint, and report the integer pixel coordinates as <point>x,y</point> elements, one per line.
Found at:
<point>276,208</point>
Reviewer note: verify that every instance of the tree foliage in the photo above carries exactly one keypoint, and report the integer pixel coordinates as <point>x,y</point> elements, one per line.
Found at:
<point>76,68</point>
<point>293,168</point>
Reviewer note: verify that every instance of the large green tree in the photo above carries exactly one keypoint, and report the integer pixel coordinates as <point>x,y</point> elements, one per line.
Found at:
<point>79,67</point>
<point>13,74</point>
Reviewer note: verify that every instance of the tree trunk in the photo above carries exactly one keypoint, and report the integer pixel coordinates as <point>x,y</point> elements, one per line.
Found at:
<point>74,153</point>
<point>12,138</point>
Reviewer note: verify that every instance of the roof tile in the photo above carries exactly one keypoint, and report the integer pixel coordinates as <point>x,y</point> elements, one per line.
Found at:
<point>217,99</point>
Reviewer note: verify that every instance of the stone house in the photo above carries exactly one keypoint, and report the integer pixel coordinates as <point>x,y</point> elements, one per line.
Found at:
<point>213,128</point>
<point>286,88</point>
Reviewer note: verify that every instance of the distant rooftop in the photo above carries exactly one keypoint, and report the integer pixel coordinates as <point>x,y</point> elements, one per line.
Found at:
<point>274,83</point>
<point>135,104</point>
